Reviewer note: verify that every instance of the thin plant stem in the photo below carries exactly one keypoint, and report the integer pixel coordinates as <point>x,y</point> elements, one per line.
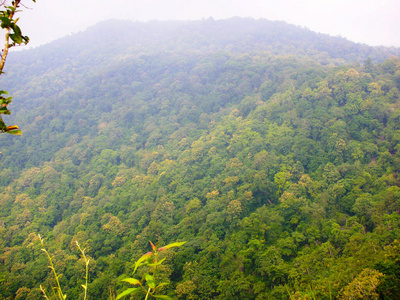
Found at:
<point>53,269</point>
<point>44,292</point>
<point>85,287</point>
<point>147,295</point>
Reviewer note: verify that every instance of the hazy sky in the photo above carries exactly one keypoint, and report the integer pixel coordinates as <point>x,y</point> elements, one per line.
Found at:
<point>374,22</point>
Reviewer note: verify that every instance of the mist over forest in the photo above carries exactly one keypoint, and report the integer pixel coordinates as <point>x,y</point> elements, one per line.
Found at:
<point>272,150</point>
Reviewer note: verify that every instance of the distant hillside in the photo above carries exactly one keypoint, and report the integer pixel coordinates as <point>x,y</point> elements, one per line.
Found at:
<point>272,150</point>
<point>236,35</point>
<point>107,42</point>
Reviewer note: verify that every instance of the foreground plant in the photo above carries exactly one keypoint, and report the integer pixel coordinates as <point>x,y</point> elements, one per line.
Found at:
<point>148,285</point>
<point>57,290</point>
<point>85,286</point>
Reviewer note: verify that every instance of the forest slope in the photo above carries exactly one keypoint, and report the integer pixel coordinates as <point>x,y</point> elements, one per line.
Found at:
<point>277,162</point>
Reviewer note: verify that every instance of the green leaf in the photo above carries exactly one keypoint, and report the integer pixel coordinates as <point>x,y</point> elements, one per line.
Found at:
<point>16,38</point>
<point>128,292</point>
<point>162,297</point>
<point>171,246</point>
<point>16,29</point>
<point>5,21</point>
<point>157,264</point>
<point>11,8</point>
<point>133,281</point>
<point>5,101</point>
<point>150,281</point>
<point>142,259</point>
<point>2,125</point>
<point>4,110</point>
<point>15,132</point>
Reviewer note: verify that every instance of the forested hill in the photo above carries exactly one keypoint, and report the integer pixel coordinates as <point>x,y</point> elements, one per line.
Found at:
<point>236,35</point>
<point>106,42</point>
<point>272,150</point>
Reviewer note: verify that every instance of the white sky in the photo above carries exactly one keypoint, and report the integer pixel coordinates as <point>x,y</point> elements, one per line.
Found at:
<point>374,22</point>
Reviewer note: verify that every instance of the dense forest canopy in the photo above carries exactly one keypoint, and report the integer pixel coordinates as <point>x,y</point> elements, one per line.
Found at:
<point>272,150</point>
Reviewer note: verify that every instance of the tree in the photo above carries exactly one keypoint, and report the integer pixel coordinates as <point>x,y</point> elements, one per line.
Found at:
<point>363,286</point>
<point>13,37</point>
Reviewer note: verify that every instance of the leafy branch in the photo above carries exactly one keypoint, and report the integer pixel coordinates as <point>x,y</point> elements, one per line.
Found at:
<point>147,285</point>
<point>13,36</point>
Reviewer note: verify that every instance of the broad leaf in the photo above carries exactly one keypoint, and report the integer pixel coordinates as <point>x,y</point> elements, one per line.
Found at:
<point>15,132</point>
<point>171,246</point>
<point>142,259</point>
<point>16,38</point>
<point>133,281</point>
<point>128,292</point>
<point>6,21</point>
<point>150,281</point>
<point>16,29</point>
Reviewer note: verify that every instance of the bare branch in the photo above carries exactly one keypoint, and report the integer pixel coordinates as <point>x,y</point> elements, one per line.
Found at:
<point>24,6</point>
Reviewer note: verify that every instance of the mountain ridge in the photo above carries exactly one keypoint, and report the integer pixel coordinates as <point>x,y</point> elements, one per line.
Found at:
<point>254,34</point>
